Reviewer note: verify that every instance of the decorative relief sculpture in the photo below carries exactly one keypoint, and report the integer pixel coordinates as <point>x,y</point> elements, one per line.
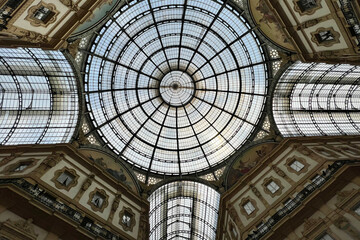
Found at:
<point>344,224</point>
<point>18,230</point>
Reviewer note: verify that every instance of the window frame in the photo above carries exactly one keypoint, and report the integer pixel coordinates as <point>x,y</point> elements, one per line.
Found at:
<point>243,202</point>
<point>9,170</point>
<point>276,181</point>
<point>309,11</point>
<point>49,19</point>
<point>291,160</point>
<point>325,43</point>
<point>105,202</point>
<point>59,172</point>
<point>131,214</point>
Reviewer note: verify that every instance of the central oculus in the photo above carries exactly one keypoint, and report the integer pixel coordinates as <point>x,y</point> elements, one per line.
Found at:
<point>177,88</point>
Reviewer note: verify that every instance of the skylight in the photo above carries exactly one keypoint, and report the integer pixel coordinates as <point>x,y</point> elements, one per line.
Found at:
<point>175,87</point>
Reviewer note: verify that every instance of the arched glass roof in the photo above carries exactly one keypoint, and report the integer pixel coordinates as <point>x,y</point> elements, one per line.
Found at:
<point>175,87</point>
<point>318,99</point>
<point>39,101</point>
<point>184,210</point>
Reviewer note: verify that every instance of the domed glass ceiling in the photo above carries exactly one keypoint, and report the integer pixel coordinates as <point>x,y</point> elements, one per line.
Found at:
<point>175,87</point>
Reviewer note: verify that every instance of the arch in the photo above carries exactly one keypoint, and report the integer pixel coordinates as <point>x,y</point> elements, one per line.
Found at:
<point>39,97</point>
<point>317,99</point>
<point>168,217</point>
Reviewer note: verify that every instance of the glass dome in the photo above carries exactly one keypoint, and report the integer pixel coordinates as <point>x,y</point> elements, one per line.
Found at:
<point>175,87</point>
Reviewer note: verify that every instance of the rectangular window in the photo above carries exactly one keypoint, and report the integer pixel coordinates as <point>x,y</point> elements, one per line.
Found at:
<point>262,228</point>
<point>98,200</point>
<point>325,236</point>
<point>65,178</point>
<point>357,209</point>
<point>324,36</point>
<point>297,166</point>
<point>126,219</point>
<point>290,204</point>
<point>249,208</point>
<point>43,14</point>
<point>272,186</point>
<point>306,5</point>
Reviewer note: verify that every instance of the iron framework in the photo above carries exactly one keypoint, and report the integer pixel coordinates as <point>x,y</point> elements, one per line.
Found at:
<point>177,126</point>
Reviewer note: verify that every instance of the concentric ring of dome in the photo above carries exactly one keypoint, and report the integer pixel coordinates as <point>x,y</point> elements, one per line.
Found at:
<point>215,105</point>
<point>177,88</point>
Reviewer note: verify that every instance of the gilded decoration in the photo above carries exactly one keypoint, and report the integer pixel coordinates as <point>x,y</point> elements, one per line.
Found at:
<point>233,215</point>
<point>8,159</point>
<point>70,4</point>
<point>333,35</point>
<point>32,37</point>
<point>309,11</point>
<point>345,225</point>
<point>104,200</point>
<point>349,151</point>
<point>127,219</point>
<point>64,185</point>
<point>49,18</point>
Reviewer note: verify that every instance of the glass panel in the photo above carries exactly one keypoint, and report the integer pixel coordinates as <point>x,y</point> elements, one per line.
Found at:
<point>272,186</point>
<point>325,237</point>
<point>98,200</point>
<point>65,178</point>
<point>297,166</point>
<point>357,209</point>
<point>249,208</point>
<point>21,167</point>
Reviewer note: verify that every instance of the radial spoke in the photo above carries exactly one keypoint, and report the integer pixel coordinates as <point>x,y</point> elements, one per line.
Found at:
<point>206,32</point>
<point>156,143</point>
<point>119,115</point>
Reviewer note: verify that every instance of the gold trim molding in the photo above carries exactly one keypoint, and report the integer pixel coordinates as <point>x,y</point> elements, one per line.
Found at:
<point>10,169</point>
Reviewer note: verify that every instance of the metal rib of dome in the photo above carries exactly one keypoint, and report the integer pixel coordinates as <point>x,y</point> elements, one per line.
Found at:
<point>175,87</point>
